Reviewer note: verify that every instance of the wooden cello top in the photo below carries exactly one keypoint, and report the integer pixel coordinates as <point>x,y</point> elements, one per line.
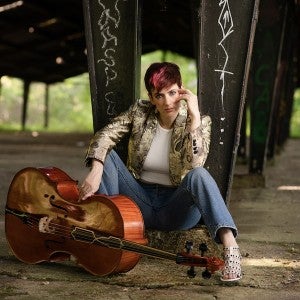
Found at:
<point>51,192</point>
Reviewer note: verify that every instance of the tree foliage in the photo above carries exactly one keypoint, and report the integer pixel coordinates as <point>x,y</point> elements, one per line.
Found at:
<point>70,102</point>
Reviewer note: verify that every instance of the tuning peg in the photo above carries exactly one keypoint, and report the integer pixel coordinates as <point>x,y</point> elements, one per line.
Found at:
<point>206,274</point>
<point>203,248</point>
<point>191,272</point>
<point>189,246</point>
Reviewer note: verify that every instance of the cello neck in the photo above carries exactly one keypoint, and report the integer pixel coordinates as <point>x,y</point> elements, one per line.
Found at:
<point>89,236</point>
<point>46,225</point>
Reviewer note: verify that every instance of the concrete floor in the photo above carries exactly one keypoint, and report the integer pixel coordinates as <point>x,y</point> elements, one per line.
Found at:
<point>267,218</point>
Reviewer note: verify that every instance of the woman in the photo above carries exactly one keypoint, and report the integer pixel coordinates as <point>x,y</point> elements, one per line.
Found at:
<point>168,145</point>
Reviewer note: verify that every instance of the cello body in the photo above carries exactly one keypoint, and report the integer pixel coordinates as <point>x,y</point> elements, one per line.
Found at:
<point>42,209</point>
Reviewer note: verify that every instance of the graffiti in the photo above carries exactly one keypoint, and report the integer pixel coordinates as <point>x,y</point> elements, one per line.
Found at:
<point>225,22</point>
<point>108,23</point>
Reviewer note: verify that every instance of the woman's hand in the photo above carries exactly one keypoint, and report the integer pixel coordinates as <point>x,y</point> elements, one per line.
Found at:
<point>92,182</point>
<point>193,106</point>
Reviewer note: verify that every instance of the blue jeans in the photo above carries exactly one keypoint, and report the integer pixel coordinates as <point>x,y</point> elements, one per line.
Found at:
<point>170,208</point>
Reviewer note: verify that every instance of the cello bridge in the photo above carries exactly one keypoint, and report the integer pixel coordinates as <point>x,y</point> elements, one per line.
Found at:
<point>44,225</point>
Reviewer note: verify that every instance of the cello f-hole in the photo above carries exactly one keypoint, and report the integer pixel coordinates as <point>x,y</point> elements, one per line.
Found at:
<point>52,199</point>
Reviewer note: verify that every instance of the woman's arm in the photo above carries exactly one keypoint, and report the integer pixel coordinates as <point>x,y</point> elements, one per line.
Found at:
<point>92,181</point>
<point>196,145</point>
<point>107,137</point>
<point>192,106</point>
<point>102,142</point>
<point>200,141</point>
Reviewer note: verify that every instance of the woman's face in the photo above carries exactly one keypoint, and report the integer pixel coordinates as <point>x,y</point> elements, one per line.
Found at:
<point>167,101</point>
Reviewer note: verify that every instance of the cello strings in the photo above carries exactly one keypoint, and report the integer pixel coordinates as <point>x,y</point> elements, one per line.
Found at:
<point>83,235</point>
<point>115,242</point>
<point>60,229</point>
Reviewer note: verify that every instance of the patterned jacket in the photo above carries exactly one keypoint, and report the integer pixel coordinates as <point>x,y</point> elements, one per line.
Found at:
<point>188,149</point>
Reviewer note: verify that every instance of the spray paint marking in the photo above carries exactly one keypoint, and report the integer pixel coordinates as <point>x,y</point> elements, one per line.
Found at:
<point>108,22</point>
<point>225,21</point>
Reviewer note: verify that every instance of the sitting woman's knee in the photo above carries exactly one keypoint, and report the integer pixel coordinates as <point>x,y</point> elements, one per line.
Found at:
<point>199,172</point>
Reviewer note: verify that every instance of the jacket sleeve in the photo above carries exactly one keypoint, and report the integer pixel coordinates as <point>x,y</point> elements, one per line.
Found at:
<point>197,144</point>
<point>107,137</point>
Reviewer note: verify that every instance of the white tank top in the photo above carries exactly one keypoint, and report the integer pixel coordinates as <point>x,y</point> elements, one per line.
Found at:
<point>156,165</point>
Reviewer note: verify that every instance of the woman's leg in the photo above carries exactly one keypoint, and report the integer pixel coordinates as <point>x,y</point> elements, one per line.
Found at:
<point>198,196</point>
<point>232,269</point>
<point>175,210</point>
<point>208,199</point>
<point>199,190</point>
<point>172,210</point>
<point>217,218</point>
<point>116,179</point>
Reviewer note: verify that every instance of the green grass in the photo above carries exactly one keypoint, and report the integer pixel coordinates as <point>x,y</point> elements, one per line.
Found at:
<point>70,105</point>
<point>295,120</point>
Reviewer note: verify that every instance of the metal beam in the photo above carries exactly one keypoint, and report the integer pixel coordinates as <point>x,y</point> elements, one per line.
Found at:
<point>114,52</point>
<point>263,73</point>
<point>26,89</point>
<point>226,36</point>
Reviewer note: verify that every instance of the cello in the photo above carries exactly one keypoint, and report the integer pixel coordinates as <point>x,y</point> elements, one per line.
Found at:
<point>45,222</point>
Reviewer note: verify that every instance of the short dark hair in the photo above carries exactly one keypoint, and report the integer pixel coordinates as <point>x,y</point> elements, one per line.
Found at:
<point>160,75</point>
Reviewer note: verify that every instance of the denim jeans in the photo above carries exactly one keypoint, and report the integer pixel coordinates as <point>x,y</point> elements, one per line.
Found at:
<point>170,208</point>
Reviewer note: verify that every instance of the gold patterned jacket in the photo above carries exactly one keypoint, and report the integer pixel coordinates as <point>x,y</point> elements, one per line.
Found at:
<point>187,151</point>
